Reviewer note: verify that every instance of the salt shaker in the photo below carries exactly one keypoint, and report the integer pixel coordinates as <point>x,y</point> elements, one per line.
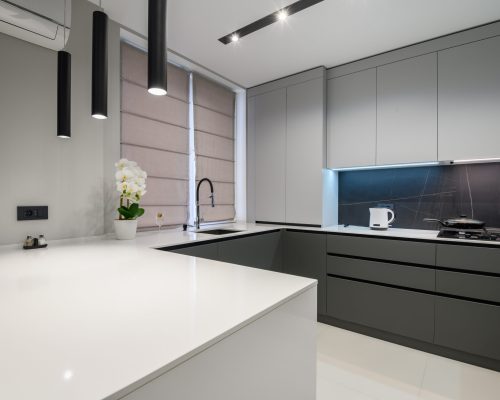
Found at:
<point>41,240</point>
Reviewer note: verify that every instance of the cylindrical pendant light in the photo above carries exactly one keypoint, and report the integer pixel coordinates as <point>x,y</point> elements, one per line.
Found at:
<point>157,47</point>
<point>64,89</point>
<point>63,94</point>
<point>100,65</point>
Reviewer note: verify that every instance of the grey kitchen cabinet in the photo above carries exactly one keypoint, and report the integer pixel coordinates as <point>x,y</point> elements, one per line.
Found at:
<point>469,258</point>
<point>304,254</point>
<point>269,121</point>
<point>469,100</point>
<point>471,286</point>
<point>351,119</point>
<point>209,250</point>
<point>305,154</point>
<point>409,276</point>
<point>407,111</point>
<point>398,311</point>
<point>405,251</point>
<point>286,149</point>
<point>468,326</point>
<point>259,251</point>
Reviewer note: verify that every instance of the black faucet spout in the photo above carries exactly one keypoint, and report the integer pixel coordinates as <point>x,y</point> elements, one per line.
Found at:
<point>198,199</point>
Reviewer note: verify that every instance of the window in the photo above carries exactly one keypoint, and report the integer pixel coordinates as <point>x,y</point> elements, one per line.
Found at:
<point>155,132</point>
<point>214,147</point>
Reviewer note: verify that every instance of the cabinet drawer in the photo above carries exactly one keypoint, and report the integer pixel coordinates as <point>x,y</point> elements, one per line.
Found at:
<point>473,258</point>
<point>468,326</point>
<point>468,285</point>
<point>397,311</point>
<point>378,271</point>
<point>385,249</point>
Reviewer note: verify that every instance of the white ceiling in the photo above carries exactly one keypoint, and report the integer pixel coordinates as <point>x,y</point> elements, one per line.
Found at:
<point>330,33</point>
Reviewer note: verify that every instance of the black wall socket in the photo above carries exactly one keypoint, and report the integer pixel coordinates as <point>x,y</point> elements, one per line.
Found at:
<point>29,213</point>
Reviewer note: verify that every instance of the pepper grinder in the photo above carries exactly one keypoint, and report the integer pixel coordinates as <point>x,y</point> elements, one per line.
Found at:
<point>29,241</point>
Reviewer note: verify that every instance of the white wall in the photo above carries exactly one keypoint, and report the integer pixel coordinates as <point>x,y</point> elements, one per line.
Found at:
<point>37,168</point>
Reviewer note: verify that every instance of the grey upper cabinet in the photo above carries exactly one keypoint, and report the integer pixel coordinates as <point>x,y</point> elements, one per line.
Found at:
<point>469,101</point>
<point>269,120</point>
<point>407,111</point>
<point>351,119</point>
<point>286,149</point>
<point>305,137</point>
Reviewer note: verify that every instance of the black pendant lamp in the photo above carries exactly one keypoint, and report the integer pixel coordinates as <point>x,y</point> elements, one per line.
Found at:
<point>157,47</point>
<point>100,65</point>
<point>64,89</point>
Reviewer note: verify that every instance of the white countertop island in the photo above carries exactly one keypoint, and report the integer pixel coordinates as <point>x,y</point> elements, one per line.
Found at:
<point>97,318</point>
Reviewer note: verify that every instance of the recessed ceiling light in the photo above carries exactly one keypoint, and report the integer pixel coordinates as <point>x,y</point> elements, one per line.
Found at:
<point>282,14</point>
<point>278,15</point>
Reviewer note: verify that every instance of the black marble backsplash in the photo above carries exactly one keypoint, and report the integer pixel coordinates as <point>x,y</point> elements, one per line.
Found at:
<point>422,192</point>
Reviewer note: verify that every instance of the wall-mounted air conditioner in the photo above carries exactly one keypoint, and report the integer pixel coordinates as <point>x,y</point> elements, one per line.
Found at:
<point>36,21</point>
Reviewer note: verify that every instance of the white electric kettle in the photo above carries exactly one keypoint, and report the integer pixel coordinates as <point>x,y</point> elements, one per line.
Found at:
<point>379,218</point>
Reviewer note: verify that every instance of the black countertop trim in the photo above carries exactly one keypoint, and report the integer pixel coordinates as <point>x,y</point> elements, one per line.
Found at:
<point>215,240</point>
<point>451,296</point>
<point>382,260</point>
<point>287,224</point>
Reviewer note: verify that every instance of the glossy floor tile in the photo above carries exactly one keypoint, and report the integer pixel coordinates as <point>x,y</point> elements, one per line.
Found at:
<point>357,367</point>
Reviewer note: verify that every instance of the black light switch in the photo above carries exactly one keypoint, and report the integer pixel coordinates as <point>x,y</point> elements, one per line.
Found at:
<point>29,213</point>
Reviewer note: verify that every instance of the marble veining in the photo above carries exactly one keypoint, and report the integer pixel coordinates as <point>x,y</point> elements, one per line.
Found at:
<point>422,192</point>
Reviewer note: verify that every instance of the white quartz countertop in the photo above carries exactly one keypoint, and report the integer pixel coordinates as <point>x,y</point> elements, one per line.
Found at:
<point>86,319</point>
<point>95,318</point>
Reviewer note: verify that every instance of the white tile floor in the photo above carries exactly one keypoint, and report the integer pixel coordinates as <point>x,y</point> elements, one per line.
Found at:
<point>358,367</point>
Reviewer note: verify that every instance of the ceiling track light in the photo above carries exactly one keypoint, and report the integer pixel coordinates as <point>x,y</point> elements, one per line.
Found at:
<point>157,47</point>
<point>279,15</point>
<point>100,65</point>
<point>64,89</point>
<point>282,15</point>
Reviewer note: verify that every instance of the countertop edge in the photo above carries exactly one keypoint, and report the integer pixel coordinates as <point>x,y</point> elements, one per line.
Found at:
<point>175,363</point>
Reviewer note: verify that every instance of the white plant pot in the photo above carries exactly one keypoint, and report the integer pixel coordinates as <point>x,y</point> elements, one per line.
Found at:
<point>125,229</point>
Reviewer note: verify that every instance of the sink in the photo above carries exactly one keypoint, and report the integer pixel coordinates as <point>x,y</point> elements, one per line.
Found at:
<point>218,231</point>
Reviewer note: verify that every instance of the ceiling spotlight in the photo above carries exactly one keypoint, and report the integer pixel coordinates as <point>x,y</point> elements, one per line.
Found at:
<point>235,37</point>
<point>282,14</point>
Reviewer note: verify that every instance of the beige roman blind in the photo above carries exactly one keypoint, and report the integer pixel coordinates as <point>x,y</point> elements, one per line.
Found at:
<point>214,145</point>
<point>155,134</point>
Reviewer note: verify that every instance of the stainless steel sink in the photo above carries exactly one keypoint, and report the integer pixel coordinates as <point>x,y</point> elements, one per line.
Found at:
<point>218,231</point>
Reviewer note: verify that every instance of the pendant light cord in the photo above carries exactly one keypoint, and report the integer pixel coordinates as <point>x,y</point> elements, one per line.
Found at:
<point>64,27</point>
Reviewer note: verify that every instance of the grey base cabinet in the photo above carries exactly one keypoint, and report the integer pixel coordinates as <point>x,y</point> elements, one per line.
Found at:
<point>209,251</point>
<point>398,311</point>
<point>468,326</point>
<point>304,254</point>
<point>259,251</point>
<point>438,297</point>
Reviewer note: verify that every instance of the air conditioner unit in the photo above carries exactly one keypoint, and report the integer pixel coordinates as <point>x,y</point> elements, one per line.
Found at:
<point>37,21</point>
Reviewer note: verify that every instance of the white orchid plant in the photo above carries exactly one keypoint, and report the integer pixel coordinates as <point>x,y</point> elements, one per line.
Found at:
<point>131,183</point>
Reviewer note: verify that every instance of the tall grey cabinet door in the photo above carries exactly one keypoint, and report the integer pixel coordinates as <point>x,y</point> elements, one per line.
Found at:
<point>469,101</point>
<point>270,144</point>
<point>305,158</point>
<point>351,119</point>
<point>304,254</point>
<point>407,111</point>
